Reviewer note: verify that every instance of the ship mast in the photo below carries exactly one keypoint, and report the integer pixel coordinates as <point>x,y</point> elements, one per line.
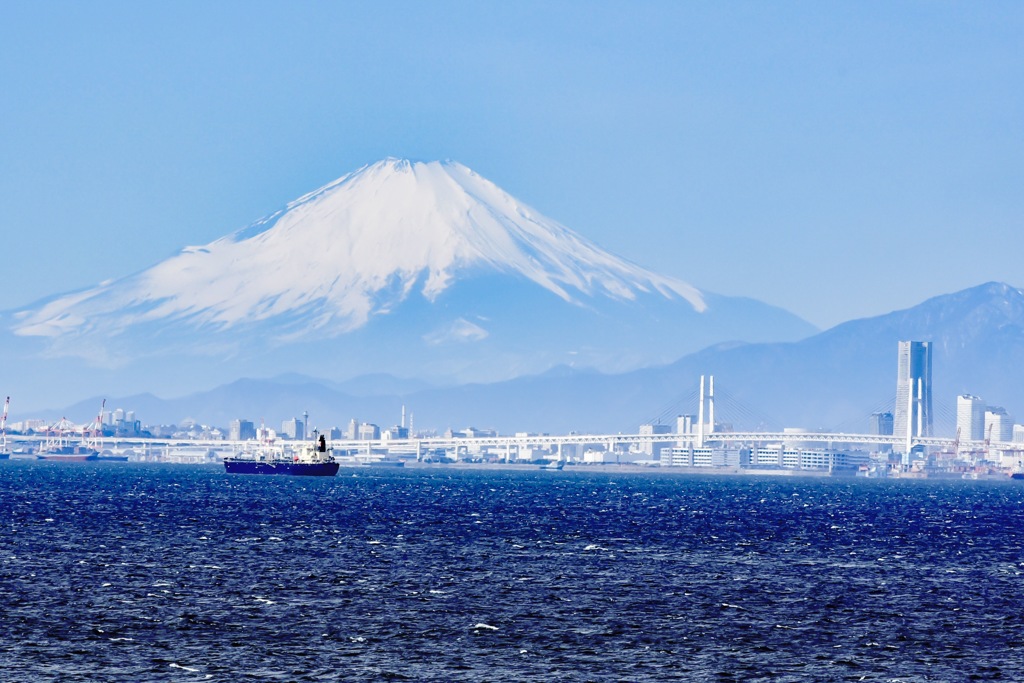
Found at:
<point>3,426</point>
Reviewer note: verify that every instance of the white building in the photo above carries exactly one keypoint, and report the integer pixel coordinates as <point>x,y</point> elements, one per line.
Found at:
<point>1018,433</point>
<point>998,425</point>
<point>913,412</point>
<point>650,448</point>
<point>293,429</point>
<point>687,456</point>
<point>970,417</point>
<point>368,432</point>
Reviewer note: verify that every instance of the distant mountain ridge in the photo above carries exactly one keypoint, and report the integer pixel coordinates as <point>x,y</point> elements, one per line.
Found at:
<point>831,380</point>
<point>412,269</point>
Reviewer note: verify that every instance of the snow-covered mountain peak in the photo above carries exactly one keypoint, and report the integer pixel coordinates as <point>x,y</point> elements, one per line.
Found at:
<point>354,248</point>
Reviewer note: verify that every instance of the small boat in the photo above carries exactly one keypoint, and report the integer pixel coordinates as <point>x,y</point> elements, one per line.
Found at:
<point>315,460</point>
<point>557,465</point>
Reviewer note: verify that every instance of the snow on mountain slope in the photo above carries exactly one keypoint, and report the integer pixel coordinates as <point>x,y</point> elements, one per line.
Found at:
<point>355,248</point>
<point>420,270</point>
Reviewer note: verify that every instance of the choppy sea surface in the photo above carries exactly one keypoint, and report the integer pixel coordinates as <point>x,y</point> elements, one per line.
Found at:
<point>142,572</point>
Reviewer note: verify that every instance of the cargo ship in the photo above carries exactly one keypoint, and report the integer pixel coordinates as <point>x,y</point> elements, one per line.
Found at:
<point>68,454</point>
<point>60,444</point>
<point>315,460</point>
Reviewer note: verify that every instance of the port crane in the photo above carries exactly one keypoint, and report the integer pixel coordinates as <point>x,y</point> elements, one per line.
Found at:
<point>95,430</point>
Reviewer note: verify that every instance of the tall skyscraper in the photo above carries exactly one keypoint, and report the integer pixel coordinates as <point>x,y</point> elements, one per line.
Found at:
<point>294,429</point>
<point>913,390</point>
<point>880,424</point>
<point>998,425</point>
<point>970,417</point>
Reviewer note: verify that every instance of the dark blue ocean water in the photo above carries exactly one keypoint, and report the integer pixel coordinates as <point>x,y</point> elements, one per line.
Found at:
<point>125,572</point>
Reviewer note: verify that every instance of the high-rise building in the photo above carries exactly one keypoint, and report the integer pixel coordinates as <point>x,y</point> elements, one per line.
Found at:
<point>970,417</point>
<point>241,430</point>
<point>880,424</point>
<point>653,447</point>
<point>294,429</point>
<point>913,413</point>
<point>998,425</point>
<point>368,432</point>
<point>684,424</point>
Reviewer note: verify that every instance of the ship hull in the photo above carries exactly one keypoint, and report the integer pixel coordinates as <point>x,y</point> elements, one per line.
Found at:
<point>77,457</point>
<point>304,469</point>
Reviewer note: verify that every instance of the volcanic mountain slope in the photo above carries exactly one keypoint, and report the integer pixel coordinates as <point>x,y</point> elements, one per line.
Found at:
<point>418,269</point>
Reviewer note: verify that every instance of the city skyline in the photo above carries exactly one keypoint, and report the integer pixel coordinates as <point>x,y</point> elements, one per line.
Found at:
<point>912,416</point>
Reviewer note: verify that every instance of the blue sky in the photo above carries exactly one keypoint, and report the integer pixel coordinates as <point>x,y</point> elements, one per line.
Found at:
<point>837,159</point>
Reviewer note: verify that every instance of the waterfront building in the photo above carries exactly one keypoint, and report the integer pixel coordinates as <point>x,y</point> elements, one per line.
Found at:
<point>970,417</point>
<point>913,414</point>
<point>594,456</point>
<point>787,458</point>
<point>770,457</point>
<point>1018,433</point>
<point>704,456</point>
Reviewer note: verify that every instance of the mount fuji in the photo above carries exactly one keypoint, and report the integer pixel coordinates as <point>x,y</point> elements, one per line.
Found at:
<point>421,270</point>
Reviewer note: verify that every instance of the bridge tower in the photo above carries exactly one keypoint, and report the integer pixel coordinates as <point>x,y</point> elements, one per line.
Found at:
<point>707,394</point>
